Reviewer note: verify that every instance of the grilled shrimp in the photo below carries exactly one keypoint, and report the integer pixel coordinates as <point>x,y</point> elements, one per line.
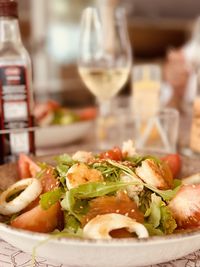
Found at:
<point>156,175</point>
<point>80,174</point>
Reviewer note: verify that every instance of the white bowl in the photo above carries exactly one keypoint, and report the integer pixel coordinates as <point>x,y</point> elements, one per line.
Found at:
<point>112,253</point>
<point>56,135</point>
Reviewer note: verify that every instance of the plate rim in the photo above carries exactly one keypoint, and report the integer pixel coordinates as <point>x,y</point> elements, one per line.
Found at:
<point>100,242</point>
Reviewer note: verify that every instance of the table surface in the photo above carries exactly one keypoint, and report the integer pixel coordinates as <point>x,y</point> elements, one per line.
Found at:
<point>12,257</point>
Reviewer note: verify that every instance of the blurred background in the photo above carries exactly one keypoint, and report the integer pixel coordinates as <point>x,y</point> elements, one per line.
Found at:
<point>50,30</point>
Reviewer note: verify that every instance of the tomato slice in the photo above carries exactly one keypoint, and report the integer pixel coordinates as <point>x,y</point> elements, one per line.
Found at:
<point>121,204</point>
<point>41,110</point>
<point>185,206</point>
<point>114,154</point>
<point>39,220</point>
<point>174,162</point>
<point>27,167</point>
<point>34,218</point>
<point>89,113</point>
<point>48,180</point>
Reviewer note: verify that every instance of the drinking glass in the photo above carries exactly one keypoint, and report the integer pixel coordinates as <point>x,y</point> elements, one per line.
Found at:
<point>104,58</point>
<point>157,132</point>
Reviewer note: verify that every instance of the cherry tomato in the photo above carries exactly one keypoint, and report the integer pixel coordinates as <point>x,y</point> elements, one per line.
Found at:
<point>39,220</point>
<point>114,154</point>
<point>27,167</point>
<point>185,206</point>
<point>174,162</point>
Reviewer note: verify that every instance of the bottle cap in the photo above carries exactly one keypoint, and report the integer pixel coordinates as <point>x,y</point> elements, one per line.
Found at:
<point>9,8</point>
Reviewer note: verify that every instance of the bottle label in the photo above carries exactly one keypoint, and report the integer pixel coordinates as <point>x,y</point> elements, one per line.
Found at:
<point>15,109</point>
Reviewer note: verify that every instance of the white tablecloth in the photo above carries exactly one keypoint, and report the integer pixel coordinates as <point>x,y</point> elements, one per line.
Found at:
<point>12,257</point>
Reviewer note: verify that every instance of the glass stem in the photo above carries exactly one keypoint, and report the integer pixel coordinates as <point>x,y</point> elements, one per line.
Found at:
<point>103,125</point>
<point>104,108</point>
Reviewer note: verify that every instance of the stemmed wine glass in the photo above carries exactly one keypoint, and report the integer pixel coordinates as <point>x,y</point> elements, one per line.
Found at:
<point>105,58</point>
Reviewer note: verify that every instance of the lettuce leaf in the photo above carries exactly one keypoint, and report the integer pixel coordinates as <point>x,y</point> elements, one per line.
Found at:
<point>154,212</point>
<point>64,159</point>
<point>153,231</point>
<point>50,198</point>
<point>62,169</point>
<point>145,200</point>
<point>167,222</point>
<point>159,217</point>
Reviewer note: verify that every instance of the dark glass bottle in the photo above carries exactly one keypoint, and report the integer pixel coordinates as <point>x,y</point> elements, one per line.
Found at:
<point>16,98</point>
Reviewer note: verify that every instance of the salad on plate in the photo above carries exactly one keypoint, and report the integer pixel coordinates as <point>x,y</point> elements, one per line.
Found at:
<point>52,113</point>
<point>112,194</point>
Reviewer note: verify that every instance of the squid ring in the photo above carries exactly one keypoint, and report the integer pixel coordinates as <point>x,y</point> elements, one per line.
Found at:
<point>26,190</point>
<point>100,226</point>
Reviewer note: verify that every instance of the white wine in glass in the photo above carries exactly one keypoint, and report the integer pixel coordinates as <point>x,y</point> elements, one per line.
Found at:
<point>104,83</point>
<point>104,58</point>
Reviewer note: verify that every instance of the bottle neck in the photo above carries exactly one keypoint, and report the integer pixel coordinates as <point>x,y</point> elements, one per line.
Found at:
<point>9,30</point>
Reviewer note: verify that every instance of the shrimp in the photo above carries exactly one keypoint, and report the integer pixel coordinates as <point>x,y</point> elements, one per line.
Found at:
<point>158,176</point>
<point>80,173</point>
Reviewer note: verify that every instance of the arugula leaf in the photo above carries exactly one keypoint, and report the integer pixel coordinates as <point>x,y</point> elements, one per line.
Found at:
<point>122,167</point>
<point>71,223</point>
<point>48,199</point>
<point>88,191</point>
<point>109,172</point>
<point>165,194</point>
<point>137,160</point>
<point>98,189</point>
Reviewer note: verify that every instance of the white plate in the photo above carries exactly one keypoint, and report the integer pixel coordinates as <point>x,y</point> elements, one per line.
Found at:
<point>57,135</point>
<point>112,253</point>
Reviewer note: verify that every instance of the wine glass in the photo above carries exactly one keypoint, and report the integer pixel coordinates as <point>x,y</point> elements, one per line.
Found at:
<point>105,59</point>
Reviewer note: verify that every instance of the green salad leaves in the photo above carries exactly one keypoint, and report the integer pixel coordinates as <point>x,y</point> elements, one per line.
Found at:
<point>75,202</point>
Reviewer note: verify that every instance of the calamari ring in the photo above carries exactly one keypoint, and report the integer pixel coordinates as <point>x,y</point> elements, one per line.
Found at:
<point>31,188</point>
<point>100,226</point>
